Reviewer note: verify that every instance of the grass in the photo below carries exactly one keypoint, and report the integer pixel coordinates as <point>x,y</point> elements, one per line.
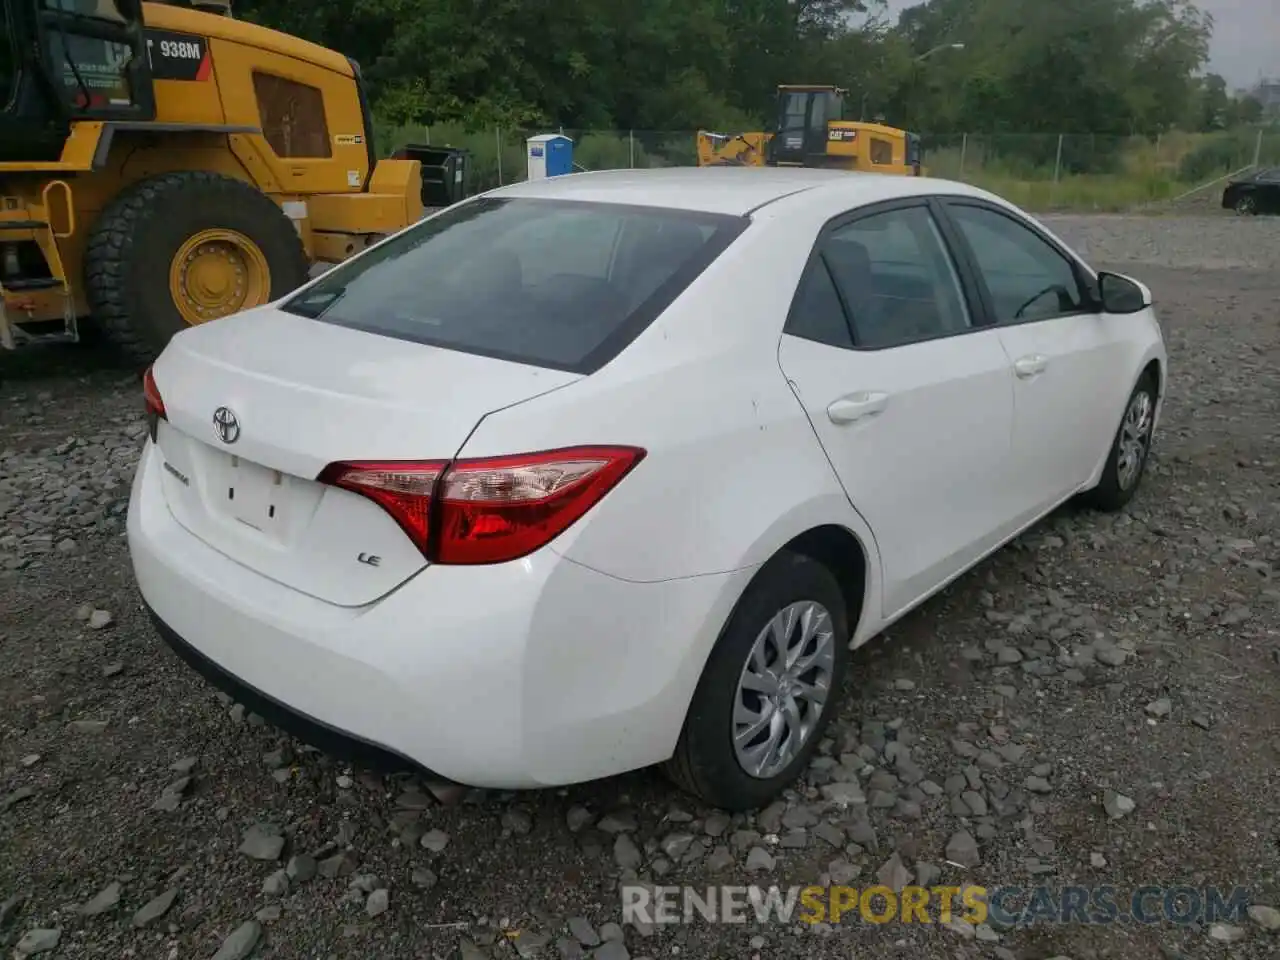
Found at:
<point>1099,193</point>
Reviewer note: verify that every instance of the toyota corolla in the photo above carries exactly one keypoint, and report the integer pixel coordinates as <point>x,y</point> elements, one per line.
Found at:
<point>612,470</point>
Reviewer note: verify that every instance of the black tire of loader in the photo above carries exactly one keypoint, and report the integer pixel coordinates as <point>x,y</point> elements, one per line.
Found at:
<point>132,246</point>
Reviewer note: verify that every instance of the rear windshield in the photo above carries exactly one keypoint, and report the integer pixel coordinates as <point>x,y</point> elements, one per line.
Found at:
<point>562,284</point>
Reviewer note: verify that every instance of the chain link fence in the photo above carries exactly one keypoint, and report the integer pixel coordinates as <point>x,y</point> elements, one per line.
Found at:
<point>1083,172</point>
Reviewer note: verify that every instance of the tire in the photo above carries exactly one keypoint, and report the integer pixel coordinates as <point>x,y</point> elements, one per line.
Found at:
<point>1247,205</point>
<point>1118,483</point>
<point>138,235</point>
<point>706,762</point>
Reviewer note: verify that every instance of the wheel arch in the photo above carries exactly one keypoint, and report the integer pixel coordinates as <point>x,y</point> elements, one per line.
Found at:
<point>1155,370</point>
<point>1153,367</point>
<point>832,546</point>
<point>834,534</point>
<point>839,550</point>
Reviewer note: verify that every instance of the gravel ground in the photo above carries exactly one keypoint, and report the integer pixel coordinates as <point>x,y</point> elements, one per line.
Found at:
<point>1096,704</point>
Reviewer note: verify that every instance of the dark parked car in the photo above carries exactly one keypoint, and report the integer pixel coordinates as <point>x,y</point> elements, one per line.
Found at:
<point>1258,192</point>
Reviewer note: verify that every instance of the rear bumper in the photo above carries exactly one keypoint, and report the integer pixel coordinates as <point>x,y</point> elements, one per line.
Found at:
<point>337,743</point>
<point>539,672</point>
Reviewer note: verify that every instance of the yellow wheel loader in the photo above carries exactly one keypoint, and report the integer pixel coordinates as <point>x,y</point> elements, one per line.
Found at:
<point>163,165</point>
<point>811,132</point>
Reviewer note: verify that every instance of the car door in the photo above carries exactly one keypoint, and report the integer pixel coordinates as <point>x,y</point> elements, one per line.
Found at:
<point>911,401</point>
<point>1070,378</point>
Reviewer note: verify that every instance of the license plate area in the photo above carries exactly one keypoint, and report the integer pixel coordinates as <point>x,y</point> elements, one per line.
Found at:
<point>253,495</point>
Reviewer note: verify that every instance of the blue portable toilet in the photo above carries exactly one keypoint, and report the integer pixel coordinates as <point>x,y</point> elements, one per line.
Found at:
<point>550,155</point>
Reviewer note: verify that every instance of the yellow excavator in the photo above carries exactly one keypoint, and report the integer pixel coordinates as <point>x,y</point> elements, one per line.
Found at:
<point>165,164</point>
<point>811,131</point>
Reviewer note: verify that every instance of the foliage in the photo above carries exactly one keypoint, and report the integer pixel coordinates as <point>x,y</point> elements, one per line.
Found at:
<point>1108,67</point>
<point>1115,76</point>
<point>1218,154</point>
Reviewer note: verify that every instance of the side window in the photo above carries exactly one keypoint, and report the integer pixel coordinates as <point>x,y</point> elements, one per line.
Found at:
<point>897,278</point>
<point>817,314</point>
<point>1029,280</point>
<point>102,9</point>
<point>94,71</point>
<point>881,151</point>
<point>818,116</point>
<point>293,118</point>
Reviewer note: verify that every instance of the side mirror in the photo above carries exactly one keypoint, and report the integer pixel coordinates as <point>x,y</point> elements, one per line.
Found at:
<point>1121,294</point>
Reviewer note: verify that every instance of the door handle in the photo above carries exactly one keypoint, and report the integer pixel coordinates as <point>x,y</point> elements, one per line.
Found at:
<point>857,406</point>
<point>1030,366</point>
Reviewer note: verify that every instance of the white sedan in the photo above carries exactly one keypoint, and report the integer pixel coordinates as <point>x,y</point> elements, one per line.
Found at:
<point>611,470</point>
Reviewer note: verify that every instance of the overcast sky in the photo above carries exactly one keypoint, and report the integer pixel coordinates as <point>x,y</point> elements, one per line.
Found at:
<point>1246,37</point>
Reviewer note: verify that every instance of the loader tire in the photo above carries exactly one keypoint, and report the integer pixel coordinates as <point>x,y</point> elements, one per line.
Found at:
<point>132,249</point>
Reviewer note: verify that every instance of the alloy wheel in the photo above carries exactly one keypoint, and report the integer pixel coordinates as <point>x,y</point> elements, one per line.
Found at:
<point>1135,439</point>
<point>783,688</point>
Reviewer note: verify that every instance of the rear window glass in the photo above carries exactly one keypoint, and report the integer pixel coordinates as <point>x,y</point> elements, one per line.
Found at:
<point>562,284</point>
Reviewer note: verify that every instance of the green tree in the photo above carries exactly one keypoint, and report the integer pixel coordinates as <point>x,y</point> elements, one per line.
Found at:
<point>1106,67</point>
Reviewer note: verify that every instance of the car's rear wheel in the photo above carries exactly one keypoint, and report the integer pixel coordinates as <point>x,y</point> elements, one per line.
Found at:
<point>1247,204</point>
<point>1127,461</point>
<point>769,688</point>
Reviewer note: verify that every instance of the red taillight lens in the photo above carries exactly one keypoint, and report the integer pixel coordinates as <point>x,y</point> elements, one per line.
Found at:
<point>401,488</point>
<point>488,510</point>
<point>499,509</point>
<point>151,394</point>
<point>154,403</point>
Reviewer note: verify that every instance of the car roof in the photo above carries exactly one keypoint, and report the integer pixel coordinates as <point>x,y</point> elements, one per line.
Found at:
<point>736,191</point>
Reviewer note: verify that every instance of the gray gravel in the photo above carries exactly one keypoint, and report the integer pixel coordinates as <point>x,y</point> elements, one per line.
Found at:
<point>1096,704</point>
<point>1206,242</point>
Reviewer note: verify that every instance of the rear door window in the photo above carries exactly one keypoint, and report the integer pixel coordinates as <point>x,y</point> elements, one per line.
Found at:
<point>561,284</point>
<point>897,278</point>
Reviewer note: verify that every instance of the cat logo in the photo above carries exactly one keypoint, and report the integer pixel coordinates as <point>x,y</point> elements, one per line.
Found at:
<point>348,139</point>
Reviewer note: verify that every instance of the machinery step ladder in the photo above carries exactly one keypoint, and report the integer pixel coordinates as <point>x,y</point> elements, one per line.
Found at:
<point>36,223</point>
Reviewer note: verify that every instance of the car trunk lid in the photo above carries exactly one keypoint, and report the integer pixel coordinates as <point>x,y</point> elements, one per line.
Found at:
<point>257,405</point>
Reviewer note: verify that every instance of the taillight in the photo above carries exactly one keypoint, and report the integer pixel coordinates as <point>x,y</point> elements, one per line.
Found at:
<point>401,488</point>
<point>499,509</point>
<point>488,510</point>
<point>153,401</point>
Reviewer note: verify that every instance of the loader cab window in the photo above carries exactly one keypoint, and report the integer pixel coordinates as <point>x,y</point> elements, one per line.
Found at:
<point>94,73</point>
<point>108,10</point>
<point>835,106</point>
<point>95,52</point>
<point>803,116</point>
<point>795,112</point>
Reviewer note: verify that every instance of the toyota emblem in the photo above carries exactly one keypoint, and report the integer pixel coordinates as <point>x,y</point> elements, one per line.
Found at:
<point>225,425</point>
